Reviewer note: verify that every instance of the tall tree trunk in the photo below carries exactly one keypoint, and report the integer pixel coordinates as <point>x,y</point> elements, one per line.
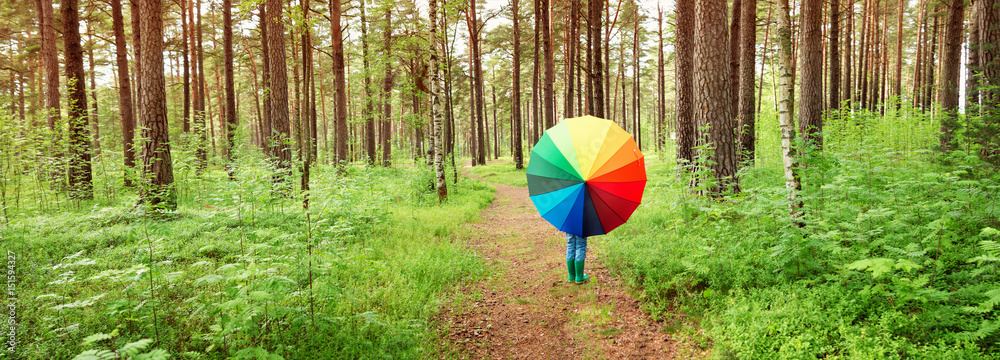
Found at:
<point>50,60</point>
<point>157,169</point>
<point>477,73</point>
<point>847,93</point>
<point>95,128</point>
<point>786,112</point>
<point>434,92</point>
<point>972,64</point>
<point>386,125</point>
<point>988,20</point>
<point>918,67</point>
<point>735,57</point>
<point>340,82</point>
<point>536,73</point>
<point>897,87</point>
<point>574,38</point>
<point>764,61</point>
<point>516,97</point>
<point>747,111</point>
<point>80,175</point>
<point>596,91</point>
<point>232,123</point>
<point>661,85</point>
<point>369,111</point>
<point>684,81</point>
<point>635,79</point>
<point>834,56</point>
<point>711,96</point>
<point>811,113</point>
<point>278,76</point>
<point>496,125</point>
<point>930,63</point>
<point>550,72</point>
<point>126,117</point>
<point>950,66</point>
<point>199,111</point>
<point>265,82</point>
<point>186,120</point>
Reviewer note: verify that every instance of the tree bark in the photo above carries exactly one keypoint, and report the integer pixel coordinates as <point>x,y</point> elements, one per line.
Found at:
<point>186,120</point>
<point>574,38</point>
<point>199,111</point>
<point>157,169</point>
<point>434,92</point>
<point>278,84</point>
<point>50,60</point>
<point>950,66</point>
<point>80,175</point>
<point>95,128</point>
<point>811,113</point>
<point>661,86</point>
<point>477,73</point>
<point>232,123</point>
<point>972,65</point>
<point>386,125</point>
<point>897,87</point>
<point>516,97</point>
<point>597,67</point>
<point>126,117</point>
<point>834,56</point>
<point>712,103</point>
<point>340,83</point>
<point>786,112</point>
<point>684,81</point>
<point>988,19</point>
<point>847,93</point>
<point>550,73</point>
<point>735,57</point>
<point>369,93</point>
<point>747,111</point>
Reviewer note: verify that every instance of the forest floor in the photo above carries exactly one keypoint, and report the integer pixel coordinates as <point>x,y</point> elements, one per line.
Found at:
<point>526,308</point>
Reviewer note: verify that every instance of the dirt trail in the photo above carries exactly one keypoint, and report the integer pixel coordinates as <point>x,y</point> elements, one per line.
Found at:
<point>527,308</point>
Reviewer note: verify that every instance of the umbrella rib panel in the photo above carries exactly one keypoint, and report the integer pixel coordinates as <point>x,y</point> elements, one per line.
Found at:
<point>633,171</point>
<point>592,223</point>
<point>574,220</point>
<point>614,140</point>
<point>547,150</point>
<point>561,138</point>
<point>544,168</point>
<point>609,218</point>
<point>538,185</point>
<point>622,207</point>
<point>560,214</point>
<point>631,191</point>
<point>622,156</point>
<point>588,134</point>
<point>548,201</point>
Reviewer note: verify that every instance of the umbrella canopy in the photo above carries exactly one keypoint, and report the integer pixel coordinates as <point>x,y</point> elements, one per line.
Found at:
<point>586,176</point>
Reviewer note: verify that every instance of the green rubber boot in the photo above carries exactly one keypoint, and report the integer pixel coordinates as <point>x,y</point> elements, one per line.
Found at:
<point>580,276</point>
<point>572,270</point>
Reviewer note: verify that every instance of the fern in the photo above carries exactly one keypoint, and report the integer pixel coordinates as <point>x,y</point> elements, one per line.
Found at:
<point>131,349</point>
<point>96,355</point>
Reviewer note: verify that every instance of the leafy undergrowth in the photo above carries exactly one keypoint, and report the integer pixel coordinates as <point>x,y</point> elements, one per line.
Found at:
<point>897,256</point>
<point>240,271</point>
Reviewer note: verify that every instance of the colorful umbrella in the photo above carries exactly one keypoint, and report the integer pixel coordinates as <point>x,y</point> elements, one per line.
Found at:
<point>586,176</point>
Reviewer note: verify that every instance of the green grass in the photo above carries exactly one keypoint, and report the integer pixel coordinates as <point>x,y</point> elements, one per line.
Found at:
<point>896,258</point>
<point>228,275</point>
<point>501,173</point>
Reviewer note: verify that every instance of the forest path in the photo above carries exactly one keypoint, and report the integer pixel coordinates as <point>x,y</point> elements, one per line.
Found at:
<point>527,309</point>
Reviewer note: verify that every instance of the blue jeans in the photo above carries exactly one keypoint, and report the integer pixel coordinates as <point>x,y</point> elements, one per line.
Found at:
<point>576,247</point>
